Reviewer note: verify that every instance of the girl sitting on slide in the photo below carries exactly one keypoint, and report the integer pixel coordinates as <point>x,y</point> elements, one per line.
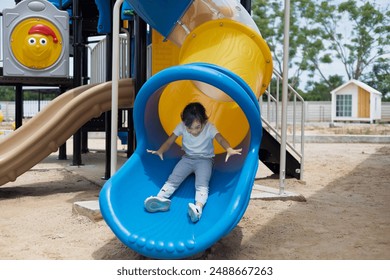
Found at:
<point>198,135</point>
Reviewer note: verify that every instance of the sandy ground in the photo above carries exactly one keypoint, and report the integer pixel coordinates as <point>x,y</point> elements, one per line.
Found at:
<point>346,215</point>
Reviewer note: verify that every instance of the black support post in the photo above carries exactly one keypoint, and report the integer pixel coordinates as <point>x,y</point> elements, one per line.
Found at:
<point>107,115</point>
<point>62,149</point>
<point>139,57</point>
<point>18,106</point>
<point>140,52</point>
<point>247,5</point>
<point>77,72</point>
<point>130,121</point>
<point>85,78</point>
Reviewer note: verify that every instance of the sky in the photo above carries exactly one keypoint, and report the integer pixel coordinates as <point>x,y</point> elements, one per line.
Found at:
<point>6,4</point>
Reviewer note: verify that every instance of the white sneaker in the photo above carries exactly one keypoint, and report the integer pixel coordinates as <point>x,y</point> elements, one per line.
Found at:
<point>156,204</point>
<point>195,212</point>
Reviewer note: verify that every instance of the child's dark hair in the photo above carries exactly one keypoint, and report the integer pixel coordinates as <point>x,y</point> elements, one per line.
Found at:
<point>194,111</point>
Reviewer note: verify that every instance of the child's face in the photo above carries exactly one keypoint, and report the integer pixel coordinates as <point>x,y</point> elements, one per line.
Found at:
<point>195,129</point>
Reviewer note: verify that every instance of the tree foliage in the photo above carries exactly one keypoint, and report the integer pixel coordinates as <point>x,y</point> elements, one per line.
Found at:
<point>7,93</point>
<point>379,77</point>
<point>353,34</point>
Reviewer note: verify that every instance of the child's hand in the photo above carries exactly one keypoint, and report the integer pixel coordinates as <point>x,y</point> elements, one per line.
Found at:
<point>156,153</point>
<point>231,151</point>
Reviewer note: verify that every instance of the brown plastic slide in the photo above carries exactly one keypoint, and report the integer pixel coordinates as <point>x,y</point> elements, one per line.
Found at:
<point>57,122</point>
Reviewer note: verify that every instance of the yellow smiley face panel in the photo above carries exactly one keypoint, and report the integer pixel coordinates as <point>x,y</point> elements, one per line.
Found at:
<point>36,43</point>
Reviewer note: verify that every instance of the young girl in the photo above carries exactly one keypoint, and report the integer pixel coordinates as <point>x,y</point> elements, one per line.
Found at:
<point>198,135</point>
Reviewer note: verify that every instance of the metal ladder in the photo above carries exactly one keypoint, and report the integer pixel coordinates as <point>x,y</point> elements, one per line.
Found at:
<point>269,152</point>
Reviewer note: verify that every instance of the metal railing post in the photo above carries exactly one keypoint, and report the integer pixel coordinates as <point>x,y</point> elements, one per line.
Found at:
<point>282,170</point>
<point>115,86</point>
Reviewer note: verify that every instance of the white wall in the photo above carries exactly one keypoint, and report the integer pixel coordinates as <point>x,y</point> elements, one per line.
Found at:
<point>316,111</point>
<point>375,106</point>
<point>30,108</point>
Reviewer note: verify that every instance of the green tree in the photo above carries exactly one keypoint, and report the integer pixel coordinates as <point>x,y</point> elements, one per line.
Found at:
<point>319,91</point>
<point>379,77</point>
<point>268,15</point>
<point>368,38</point>
<point>356,34</point>
<point>7,93</point>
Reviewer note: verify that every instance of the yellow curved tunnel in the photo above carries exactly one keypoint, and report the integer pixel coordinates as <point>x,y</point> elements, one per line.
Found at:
<point>233,46</point>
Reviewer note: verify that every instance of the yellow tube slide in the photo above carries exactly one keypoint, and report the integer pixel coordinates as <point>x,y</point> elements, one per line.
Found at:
<point>231,45</point>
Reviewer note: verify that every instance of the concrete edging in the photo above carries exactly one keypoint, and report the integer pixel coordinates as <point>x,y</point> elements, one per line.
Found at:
<point>343,139</point>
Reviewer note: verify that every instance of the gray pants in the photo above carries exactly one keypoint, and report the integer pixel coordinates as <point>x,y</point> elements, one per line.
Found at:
<point>202,167</point>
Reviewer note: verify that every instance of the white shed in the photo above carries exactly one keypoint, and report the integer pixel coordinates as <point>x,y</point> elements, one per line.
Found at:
<point>356,101</point>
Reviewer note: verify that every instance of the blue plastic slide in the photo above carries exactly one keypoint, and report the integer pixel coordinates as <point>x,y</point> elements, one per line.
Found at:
<point>222,62</point>
<point>171,234</point>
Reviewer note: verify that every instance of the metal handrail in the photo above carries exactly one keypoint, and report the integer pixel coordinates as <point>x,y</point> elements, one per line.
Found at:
<point>267,118</point>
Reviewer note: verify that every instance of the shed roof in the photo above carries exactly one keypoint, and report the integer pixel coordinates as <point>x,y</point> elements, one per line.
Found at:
<point>359,84</point>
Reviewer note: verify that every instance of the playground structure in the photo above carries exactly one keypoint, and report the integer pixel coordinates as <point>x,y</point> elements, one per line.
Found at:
<point>56,123</point>
<point>71,23</point>
<point>39,44</point>
<point>229,91</point>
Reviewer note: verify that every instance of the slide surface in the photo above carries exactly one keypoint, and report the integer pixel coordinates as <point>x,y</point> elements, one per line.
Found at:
<point>59,120</point>
<point>222,64</point>
<point>172,235</point>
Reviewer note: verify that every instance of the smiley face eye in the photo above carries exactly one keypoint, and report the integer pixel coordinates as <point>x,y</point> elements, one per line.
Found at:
<point>43,41</point>
<point>32,41</point>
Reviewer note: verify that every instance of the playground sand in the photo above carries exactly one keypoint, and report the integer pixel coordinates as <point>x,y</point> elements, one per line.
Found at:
<point>346,215</point>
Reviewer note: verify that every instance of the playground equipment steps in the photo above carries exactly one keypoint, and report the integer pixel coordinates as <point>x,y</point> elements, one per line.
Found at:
<point>269,154</point>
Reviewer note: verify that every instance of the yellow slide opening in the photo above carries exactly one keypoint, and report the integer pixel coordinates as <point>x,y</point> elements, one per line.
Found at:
<point>228,44</point>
